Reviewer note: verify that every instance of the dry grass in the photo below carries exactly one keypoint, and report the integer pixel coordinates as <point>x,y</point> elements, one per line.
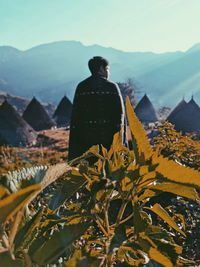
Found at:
<point>51,148</point>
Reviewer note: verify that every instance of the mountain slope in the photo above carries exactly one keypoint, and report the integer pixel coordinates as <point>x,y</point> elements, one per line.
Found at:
<point>175,79</point>
<point>50,71</point>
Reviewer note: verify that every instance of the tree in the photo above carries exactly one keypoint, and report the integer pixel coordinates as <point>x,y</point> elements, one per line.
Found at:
<point>129,89</point>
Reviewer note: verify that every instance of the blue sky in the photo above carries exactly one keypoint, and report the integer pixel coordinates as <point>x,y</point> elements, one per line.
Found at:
<point>129,25</point>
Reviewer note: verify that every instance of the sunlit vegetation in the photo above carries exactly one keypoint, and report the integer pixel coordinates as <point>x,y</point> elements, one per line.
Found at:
<point>176,146</point>
<point>103,214</point>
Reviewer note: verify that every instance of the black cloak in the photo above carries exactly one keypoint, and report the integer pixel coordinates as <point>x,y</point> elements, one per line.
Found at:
<point>97,114</point>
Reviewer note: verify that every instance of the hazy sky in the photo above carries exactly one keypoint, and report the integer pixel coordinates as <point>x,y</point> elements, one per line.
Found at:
<point>130,25</point>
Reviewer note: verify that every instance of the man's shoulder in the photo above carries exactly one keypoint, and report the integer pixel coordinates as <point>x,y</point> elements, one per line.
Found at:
<point>112,84</point>
<point>84,82</point>
<point>94,81</point>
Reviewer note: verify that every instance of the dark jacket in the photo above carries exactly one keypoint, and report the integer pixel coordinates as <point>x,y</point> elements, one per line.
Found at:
<point>97,114</point>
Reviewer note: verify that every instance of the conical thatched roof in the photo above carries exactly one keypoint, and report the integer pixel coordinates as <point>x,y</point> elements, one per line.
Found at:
<point>62,114</point>
<point>194,104</point>
<point>145,110</point>
<point>188,118</point>
<point>14,130</point>
<point>174,112</point>
<point>37,117</point>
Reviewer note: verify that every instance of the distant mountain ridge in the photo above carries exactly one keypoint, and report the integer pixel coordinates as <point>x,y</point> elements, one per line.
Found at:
<point>50,71</point>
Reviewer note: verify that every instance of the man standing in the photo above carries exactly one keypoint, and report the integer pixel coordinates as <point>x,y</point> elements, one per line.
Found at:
<point>97,112</point>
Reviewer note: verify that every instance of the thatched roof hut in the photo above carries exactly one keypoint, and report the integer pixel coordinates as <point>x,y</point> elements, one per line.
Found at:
<point>14,130</point>
<point>194,105</point>
<point>175,111</point>
<point>188,118</point>
<point>37,117</point>
<point>62,114</point>
<point>145,110</point>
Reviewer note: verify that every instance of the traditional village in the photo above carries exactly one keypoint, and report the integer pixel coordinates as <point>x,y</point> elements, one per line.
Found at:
<point>99,133</point>
<point>37,134</point>
<point>20,129</point>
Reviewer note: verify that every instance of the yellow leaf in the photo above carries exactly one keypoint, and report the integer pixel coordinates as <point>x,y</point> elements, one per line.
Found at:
<point>104,151</point>
<point>132,167</point>
<point>147,179</point>
<point>117,145</point>
<point>148,239</point>
<point>177,173</point>
<point>117,140</point>
<point>95,253</point>
<point>178,249</point>
<point>100,194</point>
<point>126,184</point>
<point>182,261</point>
<point>122,255</point>
<point>144,170</point>
<point>155,255</point>
<point>10,205</point>
<point>143,147</point>
<point>162,213</point>
<point>150,175</point>
<point>75,220</point>
<point>178,189</point>
<point>147,194</point>
<point>133,262</point>
<point>93,151</point>
<point>74,172</point>
<point>99,165</point>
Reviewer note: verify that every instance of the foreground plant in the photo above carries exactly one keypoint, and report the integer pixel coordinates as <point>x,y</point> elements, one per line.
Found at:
<point>102,215</point>
<point>174,145</point>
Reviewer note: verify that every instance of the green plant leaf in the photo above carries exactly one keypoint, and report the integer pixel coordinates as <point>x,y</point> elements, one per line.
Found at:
<point>177,189</point>
<point>70,186</point>
<point>175,172</point>
<point>157,232</point>
<point>147,194</point>
<point>118,238</point>
<point>25,177</point>
<point>123,254</point>
<point>10,205</point>
<point>93,151</point>
<point>181,261</point>
<point>162,213</point>
<point>169,249</point>
<point>117,144</point>
<point>53,173</point>
<point>157,256</point>
<point>7,261</point>
<point>141,219</point>
<point>72,262</point>
<point>141,145</point>
<point>58,243</point>
<point>25,234</point>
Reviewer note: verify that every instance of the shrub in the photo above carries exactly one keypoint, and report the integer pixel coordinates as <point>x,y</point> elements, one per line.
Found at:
<point>100,214</point>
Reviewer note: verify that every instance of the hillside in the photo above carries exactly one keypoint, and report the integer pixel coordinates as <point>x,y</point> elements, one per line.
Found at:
<point>178,78</point>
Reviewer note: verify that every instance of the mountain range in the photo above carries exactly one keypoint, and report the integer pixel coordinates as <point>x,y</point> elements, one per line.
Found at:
<point>50,71</point>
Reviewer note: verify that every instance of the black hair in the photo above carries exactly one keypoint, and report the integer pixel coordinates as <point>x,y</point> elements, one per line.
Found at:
<point>95,63</point>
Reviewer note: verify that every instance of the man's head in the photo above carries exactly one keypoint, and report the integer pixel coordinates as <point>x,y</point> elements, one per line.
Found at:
<point>99,65</point>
